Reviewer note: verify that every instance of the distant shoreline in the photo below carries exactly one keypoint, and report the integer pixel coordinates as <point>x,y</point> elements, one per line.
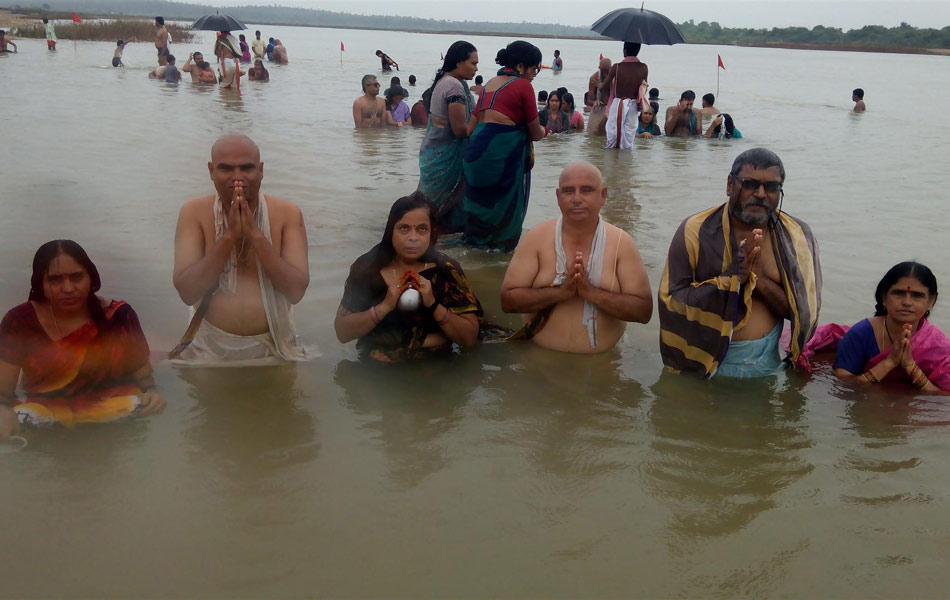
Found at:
<point>11,19</point>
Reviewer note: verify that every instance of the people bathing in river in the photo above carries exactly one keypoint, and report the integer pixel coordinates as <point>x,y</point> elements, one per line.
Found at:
<point>269,50</point>
<point>245,49</point>
<point>392,323</point>
<point>257,45</point>
<point>280,53</point>
<point>897,344</point>
<point>734,274</point>
<point>627,83</point>
<point>647,126</point>
<point>240,264</point>
<point>79,357</point>
<point>386,62</point>
<point>399,113</point>
<point>478,87</point>
<point>499,157</point>
<point>258,72</point>
<point>542,99</point>
<point>50,34</point>
<point>723,127</point>
<point>682,119</point>
<point>193,66</point>
<point>580,278</point>
<point>161,41</point>
<point>551,117</point>
<point>369,110</point>
<point>558,63</point>
<point>857,96</point>
<point>229,61</point>
<point>172,74</point>
<point>597,98</point>
<point>5,43</point>
<point>450,106</point>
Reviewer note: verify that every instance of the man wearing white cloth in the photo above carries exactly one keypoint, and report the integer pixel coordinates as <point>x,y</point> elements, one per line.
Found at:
<point>581,277</point>
<point>627,82</point>
<point>240,263</point>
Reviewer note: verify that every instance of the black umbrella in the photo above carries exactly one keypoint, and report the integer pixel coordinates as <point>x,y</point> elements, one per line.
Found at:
<point>218,22</point>
<point>638,25</point>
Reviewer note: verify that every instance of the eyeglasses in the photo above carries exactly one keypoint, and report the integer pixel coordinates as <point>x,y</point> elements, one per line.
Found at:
<point>752,185</point>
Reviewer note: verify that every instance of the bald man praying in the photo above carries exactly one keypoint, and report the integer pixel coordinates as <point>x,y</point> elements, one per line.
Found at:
<point>580,278</point>
<point>240,264</point>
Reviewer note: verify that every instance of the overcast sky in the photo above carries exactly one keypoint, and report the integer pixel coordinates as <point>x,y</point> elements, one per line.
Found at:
<point>846,14</point>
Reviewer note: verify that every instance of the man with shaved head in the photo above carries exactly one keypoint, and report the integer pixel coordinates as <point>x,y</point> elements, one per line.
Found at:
<point>240,263</point>
<point>580,278</point>
<point>597,99</point>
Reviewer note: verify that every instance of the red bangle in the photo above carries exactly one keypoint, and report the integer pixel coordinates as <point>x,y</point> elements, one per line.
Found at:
<point>373,315</point>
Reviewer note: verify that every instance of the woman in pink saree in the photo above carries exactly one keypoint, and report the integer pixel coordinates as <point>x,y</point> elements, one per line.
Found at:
<point>898,343</point>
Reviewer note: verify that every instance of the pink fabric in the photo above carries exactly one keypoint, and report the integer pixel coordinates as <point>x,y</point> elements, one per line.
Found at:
<point>929,347</point>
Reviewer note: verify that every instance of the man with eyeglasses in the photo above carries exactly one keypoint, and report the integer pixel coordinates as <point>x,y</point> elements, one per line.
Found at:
<point>369,109</point>
<point>734,274</point>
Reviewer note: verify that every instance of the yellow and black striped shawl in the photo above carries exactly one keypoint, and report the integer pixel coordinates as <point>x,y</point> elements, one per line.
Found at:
<point>701,301</point>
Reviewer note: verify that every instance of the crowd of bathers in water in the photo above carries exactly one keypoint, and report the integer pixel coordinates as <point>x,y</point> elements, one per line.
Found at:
<point>739,296</point>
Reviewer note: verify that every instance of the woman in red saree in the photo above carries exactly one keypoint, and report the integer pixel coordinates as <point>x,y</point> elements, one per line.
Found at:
<point>79,358</point>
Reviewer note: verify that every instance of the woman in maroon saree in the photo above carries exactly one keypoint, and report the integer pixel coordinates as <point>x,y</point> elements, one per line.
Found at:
<point>78,358</point>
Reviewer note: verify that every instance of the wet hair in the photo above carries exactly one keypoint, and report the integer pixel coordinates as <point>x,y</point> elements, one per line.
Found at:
<point>394,82</point>
<point>568,98</point>
<point>656,108</point>
<point>551,95</point>
<point>204,65</point>
<point>271,40</point>
<point>241,37</point>
<point>257,32</point>
<point>170,59</point>
<point>905,269</point>
<point>119,43</point>
<point>561,91</point>
<point>45,20</point>
<point>383,253</point>
<point>557,53</point>
<point>257,60</point>
<point>688,95</point>
<point>458,52</point>
<point>391,92</point>
<point>517,53</point>
<point>757,158</point>
<point>654,93</point>
<point>160,20</point>
<point>378,52</point>
<point>365,81</point>
<point>543,96</point>
<point>859,93</point>
<point>412,79</point>
<point>44,257</point>
<point>631,48</point>
<point>479,79</point>
<point>586,97</point>
<point>709,99</point>
<point>728,123</point>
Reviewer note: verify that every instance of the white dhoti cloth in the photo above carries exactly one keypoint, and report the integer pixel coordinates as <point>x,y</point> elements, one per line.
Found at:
<point>622,116</point>
<point>214,347</point>
<point>595,268</point>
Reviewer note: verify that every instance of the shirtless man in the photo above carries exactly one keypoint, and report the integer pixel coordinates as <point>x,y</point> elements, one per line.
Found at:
<point>369,109</point>
<point>857,96</point>
<point>4,42</point>
<point>161,40</point>
<point>708,110</point>
<point>729,283</point>
<point>595,96</point>
<point>682,119</point>
<point>192,67</point>
<point>626,82</point>
<point>243,255</point>
<point>592,303</point>
<point>119,49</point>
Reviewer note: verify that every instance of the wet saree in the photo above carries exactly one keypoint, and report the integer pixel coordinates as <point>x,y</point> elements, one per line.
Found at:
<point>497,165</point>
<point>401,335</point>
<point>702,302</point>
<point>440,157</point>
<point>88,375</point>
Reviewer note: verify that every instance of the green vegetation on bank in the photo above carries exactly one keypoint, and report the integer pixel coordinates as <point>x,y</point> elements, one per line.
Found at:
<point>866,38</point>
<point>139,29</point>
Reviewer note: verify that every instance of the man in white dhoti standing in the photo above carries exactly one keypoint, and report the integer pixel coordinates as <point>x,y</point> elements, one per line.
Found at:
<point>627,82</point>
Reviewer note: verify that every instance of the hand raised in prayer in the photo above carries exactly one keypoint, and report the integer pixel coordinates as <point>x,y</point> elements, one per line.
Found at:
<point>569,288</point>
<point>748,253</point>
<point>248,218</point>
<point>152,402</point>
<point>235,224</point>
<point>584,287</point>
<point>907,356</point>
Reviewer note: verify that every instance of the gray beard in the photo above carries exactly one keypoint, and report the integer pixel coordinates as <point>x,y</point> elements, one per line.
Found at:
<point>739,212</point>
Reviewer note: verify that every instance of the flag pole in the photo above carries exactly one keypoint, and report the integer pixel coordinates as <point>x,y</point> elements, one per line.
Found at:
<point>717,82</point>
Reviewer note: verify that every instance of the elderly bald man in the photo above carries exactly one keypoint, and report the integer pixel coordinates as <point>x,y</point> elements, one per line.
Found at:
<point>240,263</point>
<point>580,278</point>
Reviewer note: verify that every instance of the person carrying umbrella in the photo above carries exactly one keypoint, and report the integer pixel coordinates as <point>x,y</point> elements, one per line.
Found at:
<point>627,82</point>
<point>226,48</point>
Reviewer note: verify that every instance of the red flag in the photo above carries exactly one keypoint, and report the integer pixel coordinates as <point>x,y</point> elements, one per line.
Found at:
<point>341,46</point>
<point>601,56</point>
<point>721,66</point>
<point>76,18</point>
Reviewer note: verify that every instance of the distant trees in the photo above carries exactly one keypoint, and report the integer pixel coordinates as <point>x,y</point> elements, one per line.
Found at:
<point>904,35</point>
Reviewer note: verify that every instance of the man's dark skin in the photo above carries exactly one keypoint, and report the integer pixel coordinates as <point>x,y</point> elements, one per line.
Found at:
<point>677,117</point>
<point>629,75</point>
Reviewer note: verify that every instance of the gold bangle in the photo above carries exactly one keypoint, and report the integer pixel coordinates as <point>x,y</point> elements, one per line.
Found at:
<point>870,376</point>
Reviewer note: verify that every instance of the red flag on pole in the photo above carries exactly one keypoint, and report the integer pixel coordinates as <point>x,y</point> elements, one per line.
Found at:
<point>721,66</point>
<point>76,18</point>
<point>341,46</point>
<point>601,56</point>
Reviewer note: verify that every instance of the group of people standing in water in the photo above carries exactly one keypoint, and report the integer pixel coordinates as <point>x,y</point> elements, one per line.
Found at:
<point>739,296</point>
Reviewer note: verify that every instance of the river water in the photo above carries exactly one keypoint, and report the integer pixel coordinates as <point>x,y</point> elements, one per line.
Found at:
<point>507,471</point>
